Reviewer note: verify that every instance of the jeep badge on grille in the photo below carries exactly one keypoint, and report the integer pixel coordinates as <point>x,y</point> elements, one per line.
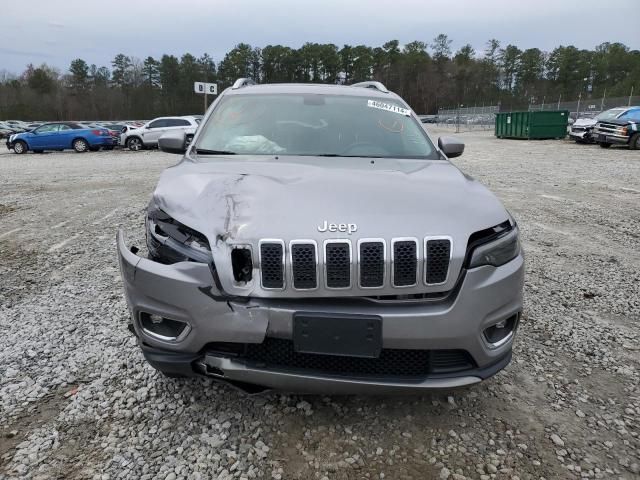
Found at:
<point>338,227</point>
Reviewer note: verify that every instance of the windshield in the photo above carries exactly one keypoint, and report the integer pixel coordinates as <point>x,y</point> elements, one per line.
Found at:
<point>609,114</point>
<point>314,124</point>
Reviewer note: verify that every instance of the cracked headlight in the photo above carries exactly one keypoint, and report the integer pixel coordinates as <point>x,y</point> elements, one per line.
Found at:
<point>170,241</point>
<point>497,252</point>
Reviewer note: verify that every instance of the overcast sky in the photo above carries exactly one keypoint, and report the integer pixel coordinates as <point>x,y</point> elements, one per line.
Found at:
<point>56,32</point>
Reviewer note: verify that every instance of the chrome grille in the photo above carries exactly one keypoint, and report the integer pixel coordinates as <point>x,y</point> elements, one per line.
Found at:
<point>405,262</point>
<point>272,264</point>
<point>372,263</point>
<point>438,254</point>
<point>339,264</point>
<point>304,262</point>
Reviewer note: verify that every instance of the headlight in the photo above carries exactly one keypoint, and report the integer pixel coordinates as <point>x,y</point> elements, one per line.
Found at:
<point>498,252</point>
<point>169,241</point>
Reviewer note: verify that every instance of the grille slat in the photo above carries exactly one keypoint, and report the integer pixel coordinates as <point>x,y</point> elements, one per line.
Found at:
<point>338,264</point>
<point>280,353</point>
<point>272,264</point>
<point>438,253</point>
<point>405,263</point>
<point>372,264</point>
<point>303,266</point>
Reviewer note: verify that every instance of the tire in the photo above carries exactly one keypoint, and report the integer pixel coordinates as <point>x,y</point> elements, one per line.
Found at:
<point>604,145</point>
<point>134,144</point>
<point>80,145</point>
<point>20,147</point>
<point>188,141</point>
<point>634,142</point>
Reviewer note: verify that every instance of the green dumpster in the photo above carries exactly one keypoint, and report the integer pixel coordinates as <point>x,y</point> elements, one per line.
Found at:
<point>549,124</point>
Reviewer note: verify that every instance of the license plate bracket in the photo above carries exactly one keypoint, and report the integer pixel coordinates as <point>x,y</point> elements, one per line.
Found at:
<point>337,334</point>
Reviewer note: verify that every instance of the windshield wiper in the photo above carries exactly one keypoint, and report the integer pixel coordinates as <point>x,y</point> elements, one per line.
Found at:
<point>204,151</point>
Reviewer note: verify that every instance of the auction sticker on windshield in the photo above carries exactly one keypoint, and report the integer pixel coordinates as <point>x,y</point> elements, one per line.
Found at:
<point>388,107</point>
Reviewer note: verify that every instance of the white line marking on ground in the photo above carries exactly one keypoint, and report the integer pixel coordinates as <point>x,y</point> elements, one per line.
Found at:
<point>61,224</point>
<point>554,197</point>
<point>6,234</point>
<point>108,215</point>
<point>632,190</point>
<point>58,246</point>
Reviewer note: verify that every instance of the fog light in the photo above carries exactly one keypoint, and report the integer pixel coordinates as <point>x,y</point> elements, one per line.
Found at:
<point>162,328</point>
<point>500,333</point>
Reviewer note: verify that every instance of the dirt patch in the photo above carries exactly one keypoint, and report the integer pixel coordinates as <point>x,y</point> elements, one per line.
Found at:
<point>38,414</point>
<point>6,209</point>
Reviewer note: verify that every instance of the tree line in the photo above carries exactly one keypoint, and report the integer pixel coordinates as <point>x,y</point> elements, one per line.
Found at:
<point>428,75</point>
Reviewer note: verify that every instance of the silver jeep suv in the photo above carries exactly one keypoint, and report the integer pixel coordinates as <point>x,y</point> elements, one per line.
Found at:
<point>313,238</point>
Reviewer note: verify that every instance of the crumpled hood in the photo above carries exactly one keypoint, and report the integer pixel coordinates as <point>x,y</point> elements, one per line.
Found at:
<point>585,122</point>
<point>240,200</point>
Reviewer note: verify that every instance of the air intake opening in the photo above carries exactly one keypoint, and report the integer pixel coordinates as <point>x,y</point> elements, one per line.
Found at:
<point>500,332</point>
<point>161,328</point>
<point>242,264</point>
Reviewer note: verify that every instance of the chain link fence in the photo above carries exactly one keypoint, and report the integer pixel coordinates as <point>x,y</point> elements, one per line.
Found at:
<point>482,117</point>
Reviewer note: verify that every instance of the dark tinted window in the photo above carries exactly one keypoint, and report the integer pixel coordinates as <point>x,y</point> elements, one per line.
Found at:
<point>177,122</point>
<point>158,124</point>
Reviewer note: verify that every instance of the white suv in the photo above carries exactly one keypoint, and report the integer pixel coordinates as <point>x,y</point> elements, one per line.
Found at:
<point>147,135</point>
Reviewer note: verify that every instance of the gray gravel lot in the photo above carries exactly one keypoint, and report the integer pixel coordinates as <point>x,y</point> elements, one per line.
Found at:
<point>78,401</point>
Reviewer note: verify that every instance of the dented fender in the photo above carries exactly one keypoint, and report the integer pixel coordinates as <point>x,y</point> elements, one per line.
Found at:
<point>186,291</point>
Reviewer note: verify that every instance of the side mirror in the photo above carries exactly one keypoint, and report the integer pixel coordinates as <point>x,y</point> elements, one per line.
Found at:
<point>173,142</point>
<point>451,146</point>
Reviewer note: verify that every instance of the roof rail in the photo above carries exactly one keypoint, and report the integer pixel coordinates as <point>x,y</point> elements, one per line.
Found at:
<point>242,82</point>
<point>372,84</point>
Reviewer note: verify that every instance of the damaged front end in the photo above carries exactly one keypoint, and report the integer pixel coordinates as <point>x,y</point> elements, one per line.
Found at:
<point>171,292</point>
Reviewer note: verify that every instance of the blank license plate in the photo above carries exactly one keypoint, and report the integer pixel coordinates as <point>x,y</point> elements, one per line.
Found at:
<point>346,335</point>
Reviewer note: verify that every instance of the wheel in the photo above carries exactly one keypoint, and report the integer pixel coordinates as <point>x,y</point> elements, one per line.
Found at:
<point>134,143</point>
<point>20,147</point>
<point>604,145</point>
<point>80,145</point>
<point>634,142</point>
<point>188,141</point>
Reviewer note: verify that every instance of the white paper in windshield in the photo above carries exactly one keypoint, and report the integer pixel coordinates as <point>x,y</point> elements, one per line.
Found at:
<point>388,107</point>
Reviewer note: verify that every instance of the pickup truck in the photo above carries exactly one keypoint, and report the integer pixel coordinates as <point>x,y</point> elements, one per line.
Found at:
<point>622,130</point>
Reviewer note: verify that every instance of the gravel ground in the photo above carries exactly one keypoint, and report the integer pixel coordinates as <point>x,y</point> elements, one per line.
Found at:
<point>78,401</point>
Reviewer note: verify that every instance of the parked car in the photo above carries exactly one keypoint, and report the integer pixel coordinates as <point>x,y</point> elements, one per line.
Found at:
<point>5,132</point>
<point>148,134</point>
<point>428,118</point>
<point>393,271</point>
<point>623,129</point>
<point>582,130</point>
<point>60,136</point>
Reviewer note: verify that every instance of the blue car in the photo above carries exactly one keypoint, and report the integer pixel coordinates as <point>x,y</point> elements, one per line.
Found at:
<point>60,136</point>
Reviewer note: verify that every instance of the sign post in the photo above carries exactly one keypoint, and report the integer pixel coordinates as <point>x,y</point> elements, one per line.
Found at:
<point>206,89</point>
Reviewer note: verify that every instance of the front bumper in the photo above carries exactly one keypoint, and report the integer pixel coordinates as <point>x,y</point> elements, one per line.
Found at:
<point>581,135</point>
<point>612,138</point>
<point>186,292</point>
